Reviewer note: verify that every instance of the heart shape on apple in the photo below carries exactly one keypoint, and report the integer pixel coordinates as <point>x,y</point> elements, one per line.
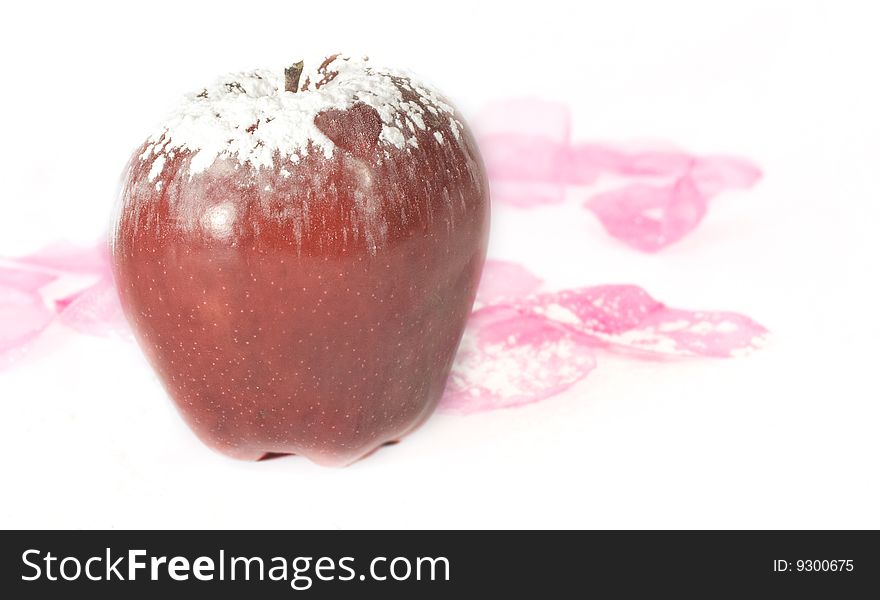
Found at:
<point>298,253</point>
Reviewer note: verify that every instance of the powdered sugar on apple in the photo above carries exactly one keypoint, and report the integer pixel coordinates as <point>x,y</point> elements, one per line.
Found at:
<point>250,116</point>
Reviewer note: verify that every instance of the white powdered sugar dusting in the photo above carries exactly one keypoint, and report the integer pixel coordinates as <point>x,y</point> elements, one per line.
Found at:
<point>156,168</point>
<point>250,116</point>
<point>519,370</point>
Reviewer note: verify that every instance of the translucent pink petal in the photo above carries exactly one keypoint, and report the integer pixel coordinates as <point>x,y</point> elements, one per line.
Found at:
<point>606,309</point>
<point>64,256</point>
<point>714,174</point>
<point>626,317</point>
<point>586,162</point>
<point>25,312</point>
<point>655,163</point>
<point>504,280</point>
<point>23,315</point>
<point>518,157</point>
<point>524,144</point>
<point>24,279</point>
<point>530,160</point>
<point>95,311</point>
<point>694,333</point>
<point>522,194</point>
<point>509,359</point>
<point>650,217</point>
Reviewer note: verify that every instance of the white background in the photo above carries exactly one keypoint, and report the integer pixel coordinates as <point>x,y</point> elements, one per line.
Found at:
<point>785,438</point>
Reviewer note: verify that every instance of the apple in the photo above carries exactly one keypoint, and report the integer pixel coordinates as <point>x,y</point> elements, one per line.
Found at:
<point>298,252</point>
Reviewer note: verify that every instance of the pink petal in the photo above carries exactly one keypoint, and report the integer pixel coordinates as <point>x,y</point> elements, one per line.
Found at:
<point>604,309</point>
<point>656,163</point>
<point>530,160</point>
<point>503,280</point>
<point>593,158</point>
<point>695,333</point>
<point>650,217</point>
<point>626,317</point>
<point>509,359</point>
<point>24,279</point>
<point>64,256</point>
<point>586,162</point>
<point>522,194</point>
<point>524,144</point>
<point>714,174</point>
<point>518,157</point>
<point>95,311</point>
<point>23,315</point>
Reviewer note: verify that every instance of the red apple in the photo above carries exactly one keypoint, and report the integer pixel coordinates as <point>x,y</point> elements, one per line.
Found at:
<point>298,255</point>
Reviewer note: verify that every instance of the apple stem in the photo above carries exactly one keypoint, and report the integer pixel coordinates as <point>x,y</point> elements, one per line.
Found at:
<point>291,76</point>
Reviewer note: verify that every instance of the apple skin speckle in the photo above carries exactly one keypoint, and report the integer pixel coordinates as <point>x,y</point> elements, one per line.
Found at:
<point>311,307</point>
